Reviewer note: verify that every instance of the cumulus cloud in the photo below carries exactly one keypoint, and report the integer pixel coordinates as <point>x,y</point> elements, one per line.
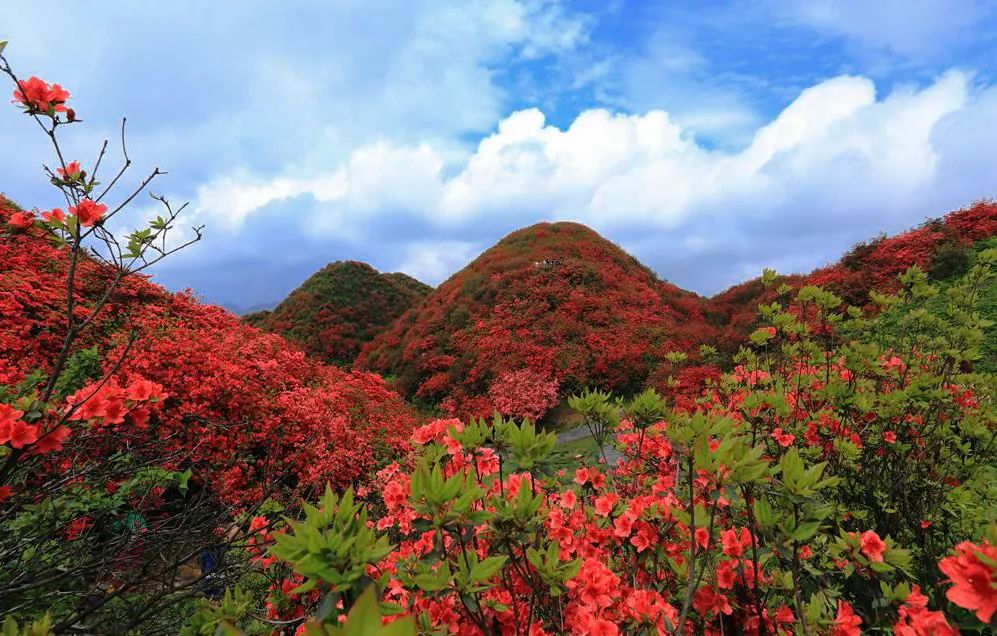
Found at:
<point>837,165</point>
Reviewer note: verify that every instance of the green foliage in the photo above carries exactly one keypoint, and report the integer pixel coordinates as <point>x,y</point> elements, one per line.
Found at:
<point>230,616</point>
<point>333,546</point>
<point>363,620</point>
<point>39,627</point>
<point>81,367</point>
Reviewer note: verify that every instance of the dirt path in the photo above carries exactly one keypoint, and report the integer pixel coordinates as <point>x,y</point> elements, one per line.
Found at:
<point>581,432</point>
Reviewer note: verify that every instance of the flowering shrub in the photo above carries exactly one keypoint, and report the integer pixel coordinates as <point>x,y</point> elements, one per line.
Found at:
<point>938,247</point>
<point>555,298</point>
<point>778,502</point>
<point>340,308</point>
<point>524,394</point>
<point>140,430</point>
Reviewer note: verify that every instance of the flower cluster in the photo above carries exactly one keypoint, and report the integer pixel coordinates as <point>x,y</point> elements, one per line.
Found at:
<point>37,96</point>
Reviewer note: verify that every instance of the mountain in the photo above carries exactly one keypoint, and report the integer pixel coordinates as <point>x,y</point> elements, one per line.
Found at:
<point>549,309</point>
<point>942,247</point>
<point>340,308</point>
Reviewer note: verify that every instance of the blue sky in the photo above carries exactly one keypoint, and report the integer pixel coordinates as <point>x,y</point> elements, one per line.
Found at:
<point>710,139</point>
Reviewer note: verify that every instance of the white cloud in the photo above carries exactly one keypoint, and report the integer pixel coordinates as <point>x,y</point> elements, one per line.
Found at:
<point>435,260</point>
<point>836,149</point>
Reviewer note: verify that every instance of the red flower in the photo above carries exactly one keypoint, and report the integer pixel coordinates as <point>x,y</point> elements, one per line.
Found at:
<point>890,437</point>
<point>487,462</point>
<point>707,601</point>
<point>71,172</point>
<point>23,434</point>
<point>604,504</point>
<point>702,537</point>
<point>9,417</point>
<point>595,585</point>
<point>22,220</point>
<point>5,492</point>
<point>55,215</point>
<point>144,391</point>
<point>872,546</point>
<point>88,212</point>
<point>568,499</point>
<point>784,439</point>
<point>846,623</point>
<point>914,618</point>
<point>973,580</point>
<point>52,441</point>
<point>734,543</point>
<point>35,94</point>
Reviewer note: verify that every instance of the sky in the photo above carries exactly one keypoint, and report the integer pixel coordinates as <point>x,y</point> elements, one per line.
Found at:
<point>709,139</point>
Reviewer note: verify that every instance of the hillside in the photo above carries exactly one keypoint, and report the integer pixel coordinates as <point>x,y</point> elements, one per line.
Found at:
<point>547,310</point>
<point>231,389</point>
<point>340,308</point>
<point>942,247</point>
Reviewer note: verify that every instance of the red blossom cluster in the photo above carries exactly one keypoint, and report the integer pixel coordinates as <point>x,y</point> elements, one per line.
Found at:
<point>248,410</point>
<point>524,394</point>
<point>340,308</point>
<point>36,95</point>
<point>555,299</point>
<point>869,266</point>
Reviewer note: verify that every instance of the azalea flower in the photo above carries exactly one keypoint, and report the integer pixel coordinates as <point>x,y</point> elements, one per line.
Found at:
<point>71,171</point>
<point>88,212</point>
<point>604,504</point>
<point>55,215</point>
<point>846,623</point>
<point>784,439</point>
<point>35,94</point>
<point>22,220</point>
<point>872,546</point>
<point>974,581</point>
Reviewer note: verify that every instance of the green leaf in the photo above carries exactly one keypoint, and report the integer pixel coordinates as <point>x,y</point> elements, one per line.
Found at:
<point>805,530</point>
<point>487,568</point>
<point>3,45</point>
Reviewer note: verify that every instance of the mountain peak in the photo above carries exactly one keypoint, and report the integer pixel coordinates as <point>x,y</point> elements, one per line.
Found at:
<point>341,307</point>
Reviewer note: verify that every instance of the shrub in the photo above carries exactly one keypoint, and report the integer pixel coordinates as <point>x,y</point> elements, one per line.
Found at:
<point>815,489</point>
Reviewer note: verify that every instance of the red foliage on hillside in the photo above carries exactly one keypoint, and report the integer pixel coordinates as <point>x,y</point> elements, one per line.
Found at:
<point>248,409</point>
<point>936,247</point>
<point>556,299</point>
<point>340,308</point>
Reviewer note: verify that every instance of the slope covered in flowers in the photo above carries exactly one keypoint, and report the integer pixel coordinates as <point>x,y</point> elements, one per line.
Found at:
<point>244,409</point>
<point>940,247</point>
<point>548,309</point>
<point>340,308</point>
